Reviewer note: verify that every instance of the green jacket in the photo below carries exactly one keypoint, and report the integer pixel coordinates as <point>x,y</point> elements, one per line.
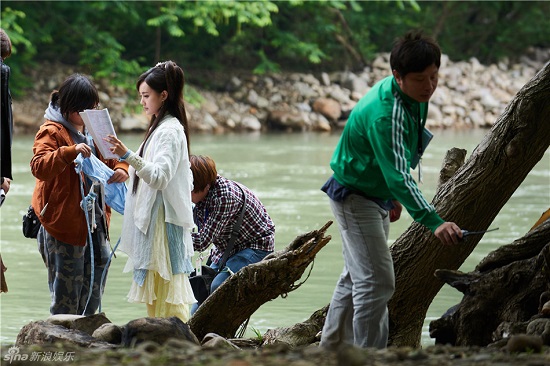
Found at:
<point>375,149</point>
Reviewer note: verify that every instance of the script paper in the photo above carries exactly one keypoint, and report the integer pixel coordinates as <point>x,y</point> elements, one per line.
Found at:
<point>99,124</point>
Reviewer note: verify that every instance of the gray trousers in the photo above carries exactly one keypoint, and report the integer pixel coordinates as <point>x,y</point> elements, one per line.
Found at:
<point>69,273</point>
<point>358,312</point>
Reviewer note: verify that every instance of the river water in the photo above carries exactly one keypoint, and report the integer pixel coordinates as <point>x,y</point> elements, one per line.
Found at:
<point>286,171</point>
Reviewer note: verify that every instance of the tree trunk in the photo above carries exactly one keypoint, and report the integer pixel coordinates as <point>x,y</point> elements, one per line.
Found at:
<point>244,292</point>
<point>471,198</point>
<point>348,41</point>
<point>506,290</point>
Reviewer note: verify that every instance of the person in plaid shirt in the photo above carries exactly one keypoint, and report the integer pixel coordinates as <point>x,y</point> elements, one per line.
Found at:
<point>218,202</point>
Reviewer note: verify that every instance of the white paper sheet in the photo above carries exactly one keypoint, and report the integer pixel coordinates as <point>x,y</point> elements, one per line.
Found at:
<point>99,125</point>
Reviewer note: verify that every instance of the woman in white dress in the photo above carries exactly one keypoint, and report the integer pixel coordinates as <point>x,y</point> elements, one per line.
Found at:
<point>158,217</point>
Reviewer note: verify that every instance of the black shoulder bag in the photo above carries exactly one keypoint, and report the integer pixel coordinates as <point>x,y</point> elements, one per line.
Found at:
<point>201,283</point>
<point>31,224</point>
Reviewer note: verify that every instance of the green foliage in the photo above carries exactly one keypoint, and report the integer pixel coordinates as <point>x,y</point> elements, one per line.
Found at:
<point>210,14</point>
<point>265,66</point>
<point>258,334</point>
<point>22,48</point>
<point>192,96</point>
<point>119,39</point>
<point>290,45</point>
<point>490,31</point>
<point>413,4</point>
<point>11,24</point>
<point>103,54</point>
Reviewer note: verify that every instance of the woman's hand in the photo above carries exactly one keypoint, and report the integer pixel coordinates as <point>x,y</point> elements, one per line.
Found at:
<point>118,147</point>
<point>84,149</point>
<point>119,176</point>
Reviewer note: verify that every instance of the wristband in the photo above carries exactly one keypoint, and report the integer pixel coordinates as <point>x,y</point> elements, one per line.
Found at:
<point>123,157</point>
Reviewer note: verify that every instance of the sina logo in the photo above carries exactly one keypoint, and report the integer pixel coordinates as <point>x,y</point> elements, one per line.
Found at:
<point>13,355</point>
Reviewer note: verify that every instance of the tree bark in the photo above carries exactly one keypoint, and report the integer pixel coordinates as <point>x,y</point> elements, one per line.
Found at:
<point>301,334</point>
<point>349,42</point>
<point>471,198</point>
<point>505,291</point>
<point>244,292</point>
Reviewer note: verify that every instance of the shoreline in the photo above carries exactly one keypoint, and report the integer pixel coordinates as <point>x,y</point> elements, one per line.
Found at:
<point>182,352</point>
<point>469,95</point>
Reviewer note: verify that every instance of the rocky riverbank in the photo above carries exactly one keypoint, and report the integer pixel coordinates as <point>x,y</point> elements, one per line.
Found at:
<point>184,353</point>
<point>94,340</point>
<point>469,95</point>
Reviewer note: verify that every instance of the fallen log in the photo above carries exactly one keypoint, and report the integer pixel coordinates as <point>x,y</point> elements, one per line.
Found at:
<point>243,293</point>
<point>301,334</point>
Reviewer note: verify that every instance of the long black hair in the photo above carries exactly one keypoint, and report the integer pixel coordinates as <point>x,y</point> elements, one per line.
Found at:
<point>164,76</point>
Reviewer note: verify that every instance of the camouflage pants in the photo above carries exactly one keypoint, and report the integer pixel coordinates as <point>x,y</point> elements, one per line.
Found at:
<point>70,270</point>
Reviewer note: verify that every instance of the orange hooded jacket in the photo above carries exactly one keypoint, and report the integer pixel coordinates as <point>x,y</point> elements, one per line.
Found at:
<point>58,184</point>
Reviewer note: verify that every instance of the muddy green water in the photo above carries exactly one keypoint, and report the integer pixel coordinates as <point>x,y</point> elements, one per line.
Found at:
<point>286,171</point>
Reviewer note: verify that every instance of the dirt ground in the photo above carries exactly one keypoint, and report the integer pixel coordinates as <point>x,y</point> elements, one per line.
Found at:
<point>184,353</point>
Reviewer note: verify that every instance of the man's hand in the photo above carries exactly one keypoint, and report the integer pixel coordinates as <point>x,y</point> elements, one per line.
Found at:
<point>395,213</point>
<point>6,182</point>
<point>449,233</point>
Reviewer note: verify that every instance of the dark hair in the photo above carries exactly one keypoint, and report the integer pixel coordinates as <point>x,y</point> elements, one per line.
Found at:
<point>5,43</point>
<point>76,94</point>
<point>165,76</point>
<point>414,52</point>
<point>204,171</point>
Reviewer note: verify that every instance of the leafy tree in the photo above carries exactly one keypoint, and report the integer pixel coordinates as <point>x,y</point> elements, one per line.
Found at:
<point>11,24</point>
<point>263,36</point>
<point>69,32</point>
<point>490,30</point>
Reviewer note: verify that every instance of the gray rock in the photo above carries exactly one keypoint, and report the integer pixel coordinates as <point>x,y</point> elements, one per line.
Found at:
<point>262,103</point>
<point>251,123</point>
<point>158,330</point>
<point>310,79</point>
<point>234,84</point>
<point>209,122</point>
<point>325,78</point>
<point>524,343</point>
<point>540,327</point>
<point>285,120</point>
<point>464,87</point>
<point>108,332</point>
<point>304,90</point>
<point>43,332</point>
<point>134,122</point>
<point>329,108</point>
<point>252,97</point>
<point>87,324</point>
<point>354,83</point>
<point>319,123</point>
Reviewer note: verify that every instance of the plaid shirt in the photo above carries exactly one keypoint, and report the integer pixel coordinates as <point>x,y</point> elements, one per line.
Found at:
<point>220,209</point>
